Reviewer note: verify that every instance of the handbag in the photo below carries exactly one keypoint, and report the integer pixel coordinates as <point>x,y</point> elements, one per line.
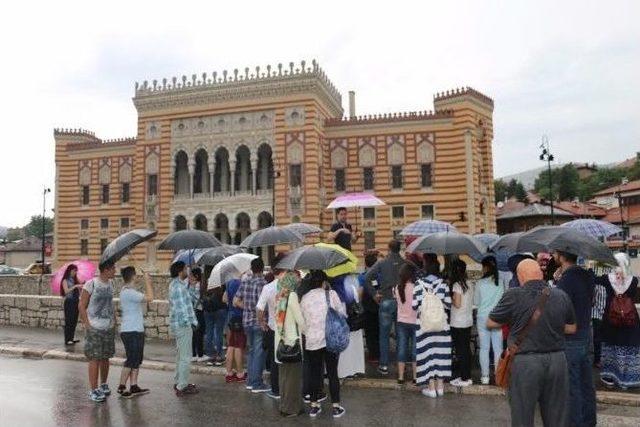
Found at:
<point>336,329</point>
<point>355,316</point>
<point>289,353</point>
<point>503,370</point>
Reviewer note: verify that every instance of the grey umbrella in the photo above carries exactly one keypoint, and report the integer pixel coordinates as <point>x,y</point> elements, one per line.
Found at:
<point>565,239</point>
<point>304,228</point>
<point>446,242</point>
<point>272,236</point>
<point>212,256</point>
<point>189,239</point>
<point>312,258</point>
<point>510,242</point>
<point>124,243</point>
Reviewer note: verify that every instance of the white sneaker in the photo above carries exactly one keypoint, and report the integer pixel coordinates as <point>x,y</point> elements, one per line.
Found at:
<point>194,359</point>
<point>455,382</point>
<point>203,359</point>
<point>440,392</point>
<point>464,383</point>
<point>484,380</point>
<point>429,393</point>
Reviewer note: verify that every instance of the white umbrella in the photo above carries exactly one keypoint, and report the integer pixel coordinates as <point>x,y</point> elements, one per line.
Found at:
<point>230,267</point>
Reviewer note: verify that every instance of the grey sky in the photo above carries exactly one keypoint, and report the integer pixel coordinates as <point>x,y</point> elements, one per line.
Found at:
<point>567,69</point>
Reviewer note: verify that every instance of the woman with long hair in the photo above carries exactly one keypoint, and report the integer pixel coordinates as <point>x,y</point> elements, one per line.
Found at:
<point>197,289</point>
<point>70,290</point>
<point>407,324</point>
<point>487,295</point>
<point>461,320</point>
<point>433,348</point>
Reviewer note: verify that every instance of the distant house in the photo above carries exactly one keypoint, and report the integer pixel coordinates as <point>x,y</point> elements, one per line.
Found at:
<point>513,216</point>
<point>23,252</point>
<point>583,209</point>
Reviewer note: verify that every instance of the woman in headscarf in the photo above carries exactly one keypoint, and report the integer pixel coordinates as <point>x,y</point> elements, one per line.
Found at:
<point>289,327</point>
<point>620,332</point>
<point>351,361</point>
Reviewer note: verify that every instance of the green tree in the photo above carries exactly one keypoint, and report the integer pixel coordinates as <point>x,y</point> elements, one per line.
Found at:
<point>568,182</point>
<point>14,234</point>
<point>500,190</point>
<point>541,185</point>
<point>34,227</point>
<point>520,193</point>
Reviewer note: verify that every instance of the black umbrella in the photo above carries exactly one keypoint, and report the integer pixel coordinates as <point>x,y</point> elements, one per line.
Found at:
<point>212,256</point>
<point>312,258</point>
<point>565,239</point>
<point>446,242</point>
<point>304,228</point>
<point>272,236</point>
<point>124,243</point>
<point>189,239</point>
<point>511,242</point>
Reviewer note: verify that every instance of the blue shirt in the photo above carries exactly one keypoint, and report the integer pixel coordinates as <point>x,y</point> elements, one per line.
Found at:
<point>181,313</point>
<point>232,288</point>
<point>131,306</point>
<point>579,284</point>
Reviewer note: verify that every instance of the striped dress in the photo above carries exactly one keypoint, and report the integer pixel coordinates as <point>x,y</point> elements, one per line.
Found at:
<point>433,348</point>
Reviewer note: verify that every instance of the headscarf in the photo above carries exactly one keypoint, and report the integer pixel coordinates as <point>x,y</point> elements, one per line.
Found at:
<point>286,284</point>
<point>622,277</point>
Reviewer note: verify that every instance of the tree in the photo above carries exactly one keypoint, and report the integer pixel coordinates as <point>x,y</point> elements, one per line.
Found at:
<point>14,234</point>
<point>520,193</point>
<point>34,228</point>
<point>500,190</point>
<point>541,185</point>
<point>568,182</point>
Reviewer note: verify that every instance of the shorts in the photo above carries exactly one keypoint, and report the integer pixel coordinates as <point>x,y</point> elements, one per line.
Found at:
<point>237,339</point>
<point>100,344</point>
<point>134,348</point>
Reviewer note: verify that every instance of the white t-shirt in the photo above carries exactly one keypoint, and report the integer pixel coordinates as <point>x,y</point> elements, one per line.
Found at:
<point>100,310</point>
<point>268,299</point>
<point>463,317</point>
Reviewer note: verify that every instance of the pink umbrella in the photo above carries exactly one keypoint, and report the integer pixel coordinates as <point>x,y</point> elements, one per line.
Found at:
<point>86,271</point>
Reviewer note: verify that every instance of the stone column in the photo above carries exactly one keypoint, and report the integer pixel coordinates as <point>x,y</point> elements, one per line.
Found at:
<point>254,183</point>
<point>192,168</point>
<point>212,165</point>
<point>232,184</point>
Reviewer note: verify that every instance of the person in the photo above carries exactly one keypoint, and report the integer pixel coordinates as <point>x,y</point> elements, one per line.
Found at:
<point>579,283</point>
<point>461,320</point>
<point>341,232</point>
<point>70,290</point>
<point>99,319</point>
<point>351,361</point>
<point>386,273</point>
<point>597,313</point>
<point>487,294</point>
<point>182,322</point>
<point>289,324</point>
<point>236,338</point>
<point>371,323</point>
<point>407,322</point>
<point>247,298</point>
<point>197,289</point>
<point>314,311</point>
<point>132,330</point>
<point>433,349</point>
<point>215,318</point>
<point>512,263</point>
<point>620,344</point>
<point>539,374</point>
<point>267,301</point>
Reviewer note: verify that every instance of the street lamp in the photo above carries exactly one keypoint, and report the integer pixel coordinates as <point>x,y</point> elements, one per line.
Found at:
<point>44,203</point>
<point>546,156</point>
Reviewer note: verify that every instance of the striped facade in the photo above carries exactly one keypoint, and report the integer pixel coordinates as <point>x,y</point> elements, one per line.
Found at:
<point>211,151</point>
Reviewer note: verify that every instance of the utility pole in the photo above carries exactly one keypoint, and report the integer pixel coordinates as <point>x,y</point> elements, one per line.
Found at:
<point>548,157</point>
<point>44,204</point>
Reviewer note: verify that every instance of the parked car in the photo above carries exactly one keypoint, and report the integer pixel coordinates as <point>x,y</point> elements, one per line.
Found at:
<point>6,270</point>
<point>36,268</point>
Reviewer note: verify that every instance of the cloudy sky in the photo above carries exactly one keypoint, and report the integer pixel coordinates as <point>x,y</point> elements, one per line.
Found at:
<point>566,69</point>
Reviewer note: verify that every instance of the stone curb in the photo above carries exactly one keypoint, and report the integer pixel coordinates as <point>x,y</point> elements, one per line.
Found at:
<point>603,397</point>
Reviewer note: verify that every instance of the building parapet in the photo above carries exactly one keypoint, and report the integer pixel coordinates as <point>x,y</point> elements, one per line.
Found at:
<point>390,117</point>
<point>461,91</point>
<point>90,141</point>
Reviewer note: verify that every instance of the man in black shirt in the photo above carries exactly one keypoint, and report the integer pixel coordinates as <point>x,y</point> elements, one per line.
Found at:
<point>342,232</point>
<point>539,373</point>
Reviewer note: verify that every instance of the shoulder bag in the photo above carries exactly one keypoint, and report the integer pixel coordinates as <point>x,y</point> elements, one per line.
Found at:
<point>289,353</point>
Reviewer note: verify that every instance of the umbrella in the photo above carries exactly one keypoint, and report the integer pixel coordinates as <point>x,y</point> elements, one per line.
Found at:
<point>426,226</point>
<point>304,228</point>
<point>511,243</point>
<point>212,256</point>
<point>273,235</point>
<point>125,242</point>
<point>355,200</point>
<point>312,258</point>
<point>231,267</point>
<point>487,238</point>
<point>445,243</point>
<point>189,239</point>
<point>593,227</point>
<point>86,271</point>
<point>565,239</point>
<point>351,266</point>
<point>188,256</point>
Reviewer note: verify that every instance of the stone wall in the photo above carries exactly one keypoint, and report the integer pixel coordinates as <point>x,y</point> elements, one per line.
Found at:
<point>47,312</point>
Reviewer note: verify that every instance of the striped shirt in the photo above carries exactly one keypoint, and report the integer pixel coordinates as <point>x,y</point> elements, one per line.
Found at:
<point>181,312</point>
<point>599,301</point>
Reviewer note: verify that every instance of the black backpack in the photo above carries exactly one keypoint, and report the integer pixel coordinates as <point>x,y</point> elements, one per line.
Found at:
<point>355,316</point>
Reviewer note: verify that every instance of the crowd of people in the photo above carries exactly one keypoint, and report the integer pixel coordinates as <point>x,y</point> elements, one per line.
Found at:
<point>555,313</point>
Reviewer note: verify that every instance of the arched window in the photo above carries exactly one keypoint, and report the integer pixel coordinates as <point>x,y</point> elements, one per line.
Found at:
<point>243,173</point>
<point>201,172</point>
<point>265,168</point>
<point>200,222</point>
<point>181,175</point>
<point>179,223</point>
<point>243,227</point>
<point>221,174</point>
<point>221,228</point>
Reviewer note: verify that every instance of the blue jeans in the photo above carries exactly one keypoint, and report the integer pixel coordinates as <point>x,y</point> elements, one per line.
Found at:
<point>488,338</point>
<point>215,322</point>
<point>387,314</point>
<point>582,406</point>
<point>406,342</point>
<point>255,357</point>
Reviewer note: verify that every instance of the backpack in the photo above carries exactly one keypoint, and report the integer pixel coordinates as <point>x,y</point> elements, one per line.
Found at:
<point>355,316</point>
<point>336,330</point>
<point>432,315</point>
<point>622,312</point>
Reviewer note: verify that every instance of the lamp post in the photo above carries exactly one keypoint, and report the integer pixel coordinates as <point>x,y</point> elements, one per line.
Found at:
<point>546,156</point>
<point>44,204</point>
<point>624,181</point>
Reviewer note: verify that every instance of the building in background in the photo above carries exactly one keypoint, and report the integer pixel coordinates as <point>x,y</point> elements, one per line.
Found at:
<point>238,151</point>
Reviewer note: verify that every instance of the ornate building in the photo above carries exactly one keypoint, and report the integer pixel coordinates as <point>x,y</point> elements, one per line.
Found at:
<point>230,152</point>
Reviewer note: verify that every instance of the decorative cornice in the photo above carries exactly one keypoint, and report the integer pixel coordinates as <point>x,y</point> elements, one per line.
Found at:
<point>208,89</point>
<point>73,132</point>
<point>388,118</point>
<point>468,91</point>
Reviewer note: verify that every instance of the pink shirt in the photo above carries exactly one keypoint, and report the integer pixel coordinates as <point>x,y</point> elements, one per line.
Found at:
<point>406,313</point>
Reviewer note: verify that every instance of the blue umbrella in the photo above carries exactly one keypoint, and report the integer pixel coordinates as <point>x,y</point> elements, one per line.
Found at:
<point>593,227</point>
<point>426,226</point>
<point>188,256</point>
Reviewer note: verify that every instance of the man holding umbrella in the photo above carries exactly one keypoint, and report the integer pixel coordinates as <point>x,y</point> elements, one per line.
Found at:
<point>342,232</point>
